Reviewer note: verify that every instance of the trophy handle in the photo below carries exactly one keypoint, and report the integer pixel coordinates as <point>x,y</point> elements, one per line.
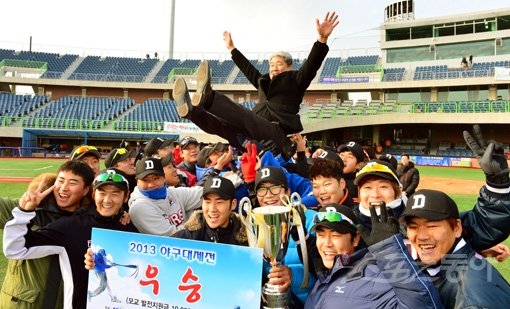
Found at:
<point>295,202</point>
<point>245,205</point>
<point>302,241</point>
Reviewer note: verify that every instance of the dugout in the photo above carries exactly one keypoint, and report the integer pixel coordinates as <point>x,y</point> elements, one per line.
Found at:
<point>34,140</point>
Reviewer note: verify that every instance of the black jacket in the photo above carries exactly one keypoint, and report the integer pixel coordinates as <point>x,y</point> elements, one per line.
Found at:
<point>68,237</point>
<point>197,229</point>
<point>280,98</point>
<point>410,178</point>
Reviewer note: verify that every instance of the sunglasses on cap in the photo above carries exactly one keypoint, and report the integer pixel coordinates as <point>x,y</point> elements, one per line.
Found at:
<point>187,140</point>
<point>119,152</point>
<point>331,216</point>
<point>262,191</point>
<point>371,167</point>
<point>83,149</point>
<point>107,177</point>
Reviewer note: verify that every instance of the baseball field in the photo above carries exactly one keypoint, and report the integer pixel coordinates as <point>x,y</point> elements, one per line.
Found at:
<point>462,184</point>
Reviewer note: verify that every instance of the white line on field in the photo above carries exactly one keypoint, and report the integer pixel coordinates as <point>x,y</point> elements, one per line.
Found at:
<point>43,168</point>
<point>24,169</point>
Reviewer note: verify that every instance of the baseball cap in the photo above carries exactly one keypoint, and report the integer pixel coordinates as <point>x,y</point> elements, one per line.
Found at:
<point>327,154</point>
<point>155,144</point>
<point>110,177</point>
<point>339,218</point>
<point>390,159</point>
<point>205,152</point>
<point>85,150</point>
<point>221,186</point>
<point>270,174</point>
<point>117,155</point>
<point>356,150</point>
<point>379,168</point>
<point>147,166</point>
<point>188,140</point>
<point>430,204</point>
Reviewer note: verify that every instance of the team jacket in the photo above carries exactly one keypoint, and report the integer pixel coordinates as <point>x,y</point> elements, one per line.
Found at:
<point>280,98</point>
<point>466,280</point>
<point>382,276</point>
<point>163,217</point>
<point>67,237</point>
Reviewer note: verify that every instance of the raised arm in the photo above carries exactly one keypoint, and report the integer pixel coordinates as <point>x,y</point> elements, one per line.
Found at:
<point>488,223</point>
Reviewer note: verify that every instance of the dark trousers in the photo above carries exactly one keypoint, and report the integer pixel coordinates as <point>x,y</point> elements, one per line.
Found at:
<point>228,119</point>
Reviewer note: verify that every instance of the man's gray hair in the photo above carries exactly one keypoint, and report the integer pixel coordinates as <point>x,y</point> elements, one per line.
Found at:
<point>285,55</point>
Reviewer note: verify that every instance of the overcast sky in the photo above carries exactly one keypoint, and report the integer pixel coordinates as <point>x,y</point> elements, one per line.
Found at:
<point>137,27</point>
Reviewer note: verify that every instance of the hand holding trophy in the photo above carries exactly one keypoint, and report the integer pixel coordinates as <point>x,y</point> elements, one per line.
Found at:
<point>268,228</point>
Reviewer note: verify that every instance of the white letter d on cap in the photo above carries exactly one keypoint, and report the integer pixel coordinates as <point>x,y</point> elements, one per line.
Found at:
<point>419,201</point>
<point>216,183</point>
<point>265,172</point>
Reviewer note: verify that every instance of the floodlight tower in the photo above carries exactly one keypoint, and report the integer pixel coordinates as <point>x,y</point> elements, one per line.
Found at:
<point>172,25</point>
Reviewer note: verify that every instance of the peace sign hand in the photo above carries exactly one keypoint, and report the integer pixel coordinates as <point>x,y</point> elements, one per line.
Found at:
<point>30,200</point>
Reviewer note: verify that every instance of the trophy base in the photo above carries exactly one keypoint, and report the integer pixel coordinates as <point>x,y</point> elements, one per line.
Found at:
<point>273,298</point>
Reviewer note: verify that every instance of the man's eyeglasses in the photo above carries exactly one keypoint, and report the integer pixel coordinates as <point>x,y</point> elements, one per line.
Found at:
<point>262,191</point>
<point>82,149</point>
<point>110,177</point>
<point>331,216</point>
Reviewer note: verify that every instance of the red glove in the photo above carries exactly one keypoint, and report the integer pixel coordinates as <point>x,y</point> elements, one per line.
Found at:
<point>248,162</point>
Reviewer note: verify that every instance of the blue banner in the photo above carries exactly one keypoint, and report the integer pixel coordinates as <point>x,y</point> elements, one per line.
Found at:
<point>144,271</point>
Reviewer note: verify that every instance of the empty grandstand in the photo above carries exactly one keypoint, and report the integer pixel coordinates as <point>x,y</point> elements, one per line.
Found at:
<point>419,95</point>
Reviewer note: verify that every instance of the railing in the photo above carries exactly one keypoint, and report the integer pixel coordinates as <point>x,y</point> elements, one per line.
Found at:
<point>327,112</point>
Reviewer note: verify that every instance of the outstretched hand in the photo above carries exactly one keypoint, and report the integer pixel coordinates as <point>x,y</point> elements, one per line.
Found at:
<point>383,226</point>
<point>227,37</point>
<point>490,156</point>
<point>30,200</point>
<point>325,28</point>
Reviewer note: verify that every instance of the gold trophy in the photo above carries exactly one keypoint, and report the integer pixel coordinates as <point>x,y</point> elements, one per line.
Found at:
<point>268,228</point>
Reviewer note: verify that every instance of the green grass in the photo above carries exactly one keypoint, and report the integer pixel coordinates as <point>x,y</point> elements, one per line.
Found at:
<point>30,168</point>
<point>452,172</point>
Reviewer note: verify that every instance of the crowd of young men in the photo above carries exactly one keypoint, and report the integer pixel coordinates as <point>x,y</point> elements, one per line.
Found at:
<point>434,248</point>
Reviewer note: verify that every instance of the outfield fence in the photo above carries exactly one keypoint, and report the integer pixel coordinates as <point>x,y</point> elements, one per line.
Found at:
<point>22,152</point>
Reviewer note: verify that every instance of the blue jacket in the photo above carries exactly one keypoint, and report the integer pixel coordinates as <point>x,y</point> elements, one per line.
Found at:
<point>381,276</point>
<point>296,183</point>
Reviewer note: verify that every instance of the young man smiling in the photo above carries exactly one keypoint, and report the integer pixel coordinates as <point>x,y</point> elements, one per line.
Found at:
<point>463,277</point>
<point>216,222</point>
<point>37,283</point>
<point>328,183</point>
<point>156,208</point>
<point>68,237</point>
<point>368,277</point>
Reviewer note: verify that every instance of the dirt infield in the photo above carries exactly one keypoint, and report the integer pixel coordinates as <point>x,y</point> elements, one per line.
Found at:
<point>451,185</point>
<point>448,185</point>
<point>15,179</point>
